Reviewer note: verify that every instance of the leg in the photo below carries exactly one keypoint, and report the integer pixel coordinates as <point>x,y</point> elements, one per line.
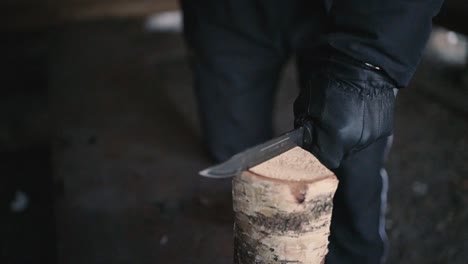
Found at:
<point>357,228</point>
<point>237,57</point>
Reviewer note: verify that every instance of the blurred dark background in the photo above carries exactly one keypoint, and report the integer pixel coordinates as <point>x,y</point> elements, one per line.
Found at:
<point>100,141</point>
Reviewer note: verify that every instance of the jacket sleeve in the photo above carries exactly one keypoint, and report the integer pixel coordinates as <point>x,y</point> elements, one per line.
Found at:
<point>390,34</point>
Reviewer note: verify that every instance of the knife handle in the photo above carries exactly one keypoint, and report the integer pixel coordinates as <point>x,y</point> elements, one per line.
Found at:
<point>307,126</point>
<point>308,137</point>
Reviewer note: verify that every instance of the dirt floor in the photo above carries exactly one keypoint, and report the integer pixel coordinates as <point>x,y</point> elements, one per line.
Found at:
<point>121,116</point>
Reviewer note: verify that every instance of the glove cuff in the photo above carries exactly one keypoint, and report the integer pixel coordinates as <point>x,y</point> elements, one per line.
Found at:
<point>338,65</point>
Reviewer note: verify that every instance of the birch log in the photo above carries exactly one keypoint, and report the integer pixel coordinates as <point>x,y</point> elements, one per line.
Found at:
<point>283,210</point>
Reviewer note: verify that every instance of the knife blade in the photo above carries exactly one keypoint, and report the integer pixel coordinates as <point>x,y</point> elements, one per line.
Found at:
<point>255,155</point>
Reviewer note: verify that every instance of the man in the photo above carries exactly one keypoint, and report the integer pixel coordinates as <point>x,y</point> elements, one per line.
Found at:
<point>351,56</point>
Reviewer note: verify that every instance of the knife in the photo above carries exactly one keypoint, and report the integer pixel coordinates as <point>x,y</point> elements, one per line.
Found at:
<point>260,153</point>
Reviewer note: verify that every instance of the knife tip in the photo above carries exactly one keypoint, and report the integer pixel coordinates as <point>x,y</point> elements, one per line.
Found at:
<point>209,173</point>
<point>205,173</point>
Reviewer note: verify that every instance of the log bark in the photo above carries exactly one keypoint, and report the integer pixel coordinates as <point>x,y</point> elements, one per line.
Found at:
<point>283,210</point>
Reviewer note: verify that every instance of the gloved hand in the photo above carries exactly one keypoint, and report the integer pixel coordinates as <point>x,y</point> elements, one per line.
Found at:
<point>349,105</point>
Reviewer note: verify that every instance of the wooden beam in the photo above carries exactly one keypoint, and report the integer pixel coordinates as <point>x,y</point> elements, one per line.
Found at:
<point>30,15</point>
<point>453,16</point>
<point>283,210</point>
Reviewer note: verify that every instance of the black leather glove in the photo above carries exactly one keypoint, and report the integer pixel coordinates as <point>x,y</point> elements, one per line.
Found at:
<point>349,105</point>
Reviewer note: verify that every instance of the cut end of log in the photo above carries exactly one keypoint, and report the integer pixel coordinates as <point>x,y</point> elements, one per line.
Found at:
<point>296,164</point>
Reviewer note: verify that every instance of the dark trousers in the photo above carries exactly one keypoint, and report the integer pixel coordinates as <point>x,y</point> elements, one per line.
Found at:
<point>238,48</point>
